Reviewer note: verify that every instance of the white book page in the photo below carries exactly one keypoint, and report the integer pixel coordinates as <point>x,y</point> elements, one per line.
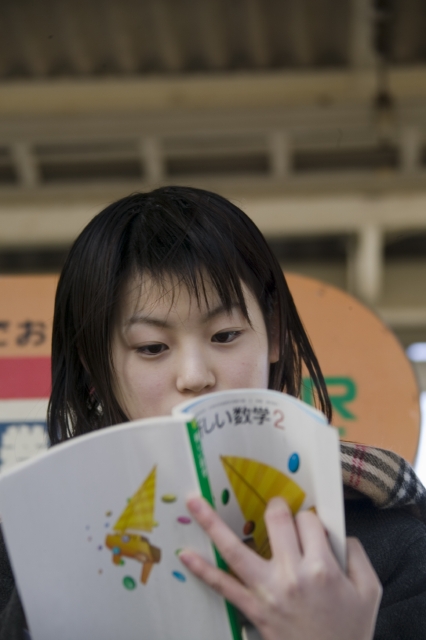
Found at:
<point>261,443</point>
<point>78,571</point>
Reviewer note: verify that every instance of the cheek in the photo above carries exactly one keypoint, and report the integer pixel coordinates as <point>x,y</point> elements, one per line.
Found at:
<point>143,385</point>
<point>259,374</point>
<point>252,370</point>
<point>138,391</point>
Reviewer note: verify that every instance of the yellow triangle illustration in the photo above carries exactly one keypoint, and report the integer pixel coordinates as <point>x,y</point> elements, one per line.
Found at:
<point>254,484</point>
<point>139,513</point>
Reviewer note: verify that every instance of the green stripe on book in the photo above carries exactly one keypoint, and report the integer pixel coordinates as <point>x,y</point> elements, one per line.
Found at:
<point>203,480</point>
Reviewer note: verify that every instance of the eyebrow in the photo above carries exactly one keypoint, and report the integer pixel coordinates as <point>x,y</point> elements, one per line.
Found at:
<point>139,318</point>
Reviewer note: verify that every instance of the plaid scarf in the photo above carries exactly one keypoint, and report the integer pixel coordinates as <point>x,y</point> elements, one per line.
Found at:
<point>384,477</point>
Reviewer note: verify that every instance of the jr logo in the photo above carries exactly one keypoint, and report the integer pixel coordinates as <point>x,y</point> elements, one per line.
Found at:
<point>342,391</point>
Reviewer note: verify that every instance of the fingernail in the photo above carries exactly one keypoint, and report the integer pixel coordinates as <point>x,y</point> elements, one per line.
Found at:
<point>185,557</point>
<point>194,504</point>
<point>277,503</point>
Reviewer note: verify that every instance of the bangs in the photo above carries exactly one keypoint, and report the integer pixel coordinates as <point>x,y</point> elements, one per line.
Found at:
<point>181,244</point>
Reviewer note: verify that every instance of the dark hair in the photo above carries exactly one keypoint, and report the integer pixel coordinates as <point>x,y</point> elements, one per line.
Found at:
<point>184,232</point>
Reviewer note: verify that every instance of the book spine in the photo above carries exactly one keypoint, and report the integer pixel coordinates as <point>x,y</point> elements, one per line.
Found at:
<point>203,480</point>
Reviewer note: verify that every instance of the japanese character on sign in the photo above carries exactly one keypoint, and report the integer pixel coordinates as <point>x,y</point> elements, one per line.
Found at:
<point>4,326</point>
<point>33,333</point>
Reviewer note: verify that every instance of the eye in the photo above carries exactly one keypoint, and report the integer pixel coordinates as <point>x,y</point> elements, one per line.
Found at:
<point>152,349</point>
<point>226,336</point>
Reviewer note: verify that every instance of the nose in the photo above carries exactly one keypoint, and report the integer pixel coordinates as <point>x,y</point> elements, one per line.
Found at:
<point>195,373</point>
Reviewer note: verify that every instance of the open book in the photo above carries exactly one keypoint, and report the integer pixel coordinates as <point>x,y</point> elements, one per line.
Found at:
<point>94,525</point>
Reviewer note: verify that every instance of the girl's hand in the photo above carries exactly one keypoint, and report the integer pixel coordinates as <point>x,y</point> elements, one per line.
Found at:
<point>301,593</point>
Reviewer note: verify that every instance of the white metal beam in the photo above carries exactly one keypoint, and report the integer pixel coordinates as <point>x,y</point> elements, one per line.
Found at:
<point>403,317</point>
<point>368,264</point>
<point>57,221</point>
<point>345,213</point>
<point>224,91</point>
<point>152,160</point>
<point>157,94</point>
<point>25,165</point>
<point>280,154</point>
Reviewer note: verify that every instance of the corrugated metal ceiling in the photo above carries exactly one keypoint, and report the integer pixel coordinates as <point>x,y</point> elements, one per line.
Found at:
<point>43,38</point>
<point>103,37</point>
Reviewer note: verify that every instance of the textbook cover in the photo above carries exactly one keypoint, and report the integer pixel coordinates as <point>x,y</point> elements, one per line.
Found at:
<point>94,526</point>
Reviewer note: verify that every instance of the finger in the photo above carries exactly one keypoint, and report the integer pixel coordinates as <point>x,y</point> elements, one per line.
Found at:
<point>282,532</point>
<point>312,535</point>
<point>314,541</point>
<point>224,584</point>
<point>244,562</point>
<point>361,572</point>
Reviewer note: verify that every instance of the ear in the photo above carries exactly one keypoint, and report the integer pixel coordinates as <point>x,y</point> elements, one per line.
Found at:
<point>274,340</point>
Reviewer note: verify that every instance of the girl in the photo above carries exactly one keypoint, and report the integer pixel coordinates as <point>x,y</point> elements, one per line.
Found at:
<point>175,293</point>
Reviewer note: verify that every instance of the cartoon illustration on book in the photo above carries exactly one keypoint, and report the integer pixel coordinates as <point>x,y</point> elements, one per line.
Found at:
<point>137,516</point>
<point>254,484</point>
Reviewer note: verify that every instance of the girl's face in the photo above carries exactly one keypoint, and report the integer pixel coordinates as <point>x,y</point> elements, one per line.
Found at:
<point>167,349</point>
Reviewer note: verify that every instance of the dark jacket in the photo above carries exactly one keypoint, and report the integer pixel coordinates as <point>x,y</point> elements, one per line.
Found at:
<point>396,545</point>
<point>12,617</point>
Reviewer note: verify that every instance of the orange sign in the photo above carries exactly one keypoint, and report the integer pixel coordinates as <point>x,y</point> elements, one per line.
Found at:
<point>370,380</point>
<point>26,314</point>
